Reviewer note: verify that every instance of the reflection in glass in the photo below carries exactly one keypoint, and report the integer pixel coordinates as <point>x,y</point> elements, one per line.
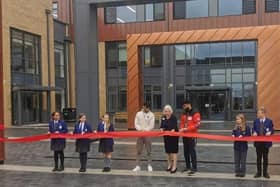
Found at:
<point>230,7</point>
<point>197,8</point>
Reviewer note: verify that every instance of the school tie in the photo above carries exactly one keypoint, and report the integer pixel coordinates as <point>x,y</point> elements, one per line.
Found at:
<point>261,128</point>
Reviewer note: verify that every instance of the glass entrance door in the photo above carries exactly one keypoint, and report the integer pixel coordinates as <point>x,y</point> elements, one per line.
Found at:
<point>211,104</point>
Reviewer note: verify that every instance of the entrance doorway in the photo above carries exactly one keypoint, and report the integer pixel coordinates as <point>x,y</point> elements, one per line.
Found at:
<point>213,104</point>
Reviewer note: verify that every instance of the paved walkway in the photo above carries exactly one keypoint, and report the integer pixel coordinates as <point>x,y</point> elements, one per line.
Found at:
<point>30,164</point>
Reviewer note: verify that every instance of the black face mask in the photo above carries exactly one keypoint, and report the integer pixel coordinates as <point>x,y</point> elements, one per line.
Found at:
<point>187,110</point>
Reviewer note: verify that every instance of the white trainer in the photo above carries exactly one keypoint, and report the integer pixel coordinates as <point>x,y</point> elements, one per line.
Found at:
<point>137,168</point>
<point>150,168</point>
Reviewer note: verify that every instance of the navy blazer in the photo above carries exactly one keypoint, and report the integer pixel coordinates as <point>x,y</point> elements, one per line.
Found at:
<point>58,144</point>
<point>83,144</point>
<point>268,127</point>
<point>107,141</point>
<point>238,145</point>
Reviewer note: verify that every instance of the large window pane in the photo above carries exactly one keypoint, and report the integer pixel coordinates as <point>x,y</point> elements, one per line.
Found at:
<point>196,8</point>
<point>179,9</point>
<point>202,53</point>
<point>236,53</point>
<point>180,54</point>
<point>249,52</point>
<point>149,12</point>
<point>230,7</point>
<point>126,14</point>
<point>159,11</point>
<point>272,5</point>
<point>218,53</point>
<point>59,60</point>
<point>134,13</point>
<point>249,96</point>
<point>237,96</point>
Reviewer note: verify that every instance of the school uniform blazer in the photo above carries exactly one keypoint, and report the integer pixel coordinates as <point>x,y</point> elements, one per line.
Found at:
<point>106,141</point>
<point>238,145</point>
<point>58,144</point>
<point>82,145</point>
<point>268,127</point>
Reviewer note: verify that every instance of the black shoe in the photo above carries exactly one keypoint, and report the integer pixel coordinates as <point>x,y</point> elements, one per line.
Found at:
<point>173,171</point>
<point>186,170</point>
<point>106,169</point>
<point>61,168</point>
<point>266,175</point>
<point>242,175</point>
<point>55,169</point>
<point>192,172</point>
<point>237,175</point>
<point>82,170</point>
<point>168,169</point>
<point>258,175</point>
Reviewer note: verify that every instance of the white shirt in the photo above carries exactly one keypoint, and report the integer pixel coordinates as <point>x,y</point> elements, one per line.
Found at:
<point>144,121</point>
<point>81,127</point>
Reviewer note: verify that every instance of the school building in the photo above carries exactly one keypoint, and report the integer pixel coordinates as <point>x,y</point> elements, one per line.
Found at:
<point>37,61</point>
<point>221,54</point>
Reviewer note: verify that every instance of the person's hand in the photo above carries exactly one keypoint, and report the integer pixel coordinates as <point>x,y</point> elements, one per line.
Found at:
<point>173,130</point>
<point>83,133</point>
<point>161,130</point>
<point>268,133</point>
<point>72,133</point>
<point>95,131</point>
<point>56,132</point>
<point>49,132</point>
<point>240,136</point>
<point>183,130</point>
<point>255,134</point>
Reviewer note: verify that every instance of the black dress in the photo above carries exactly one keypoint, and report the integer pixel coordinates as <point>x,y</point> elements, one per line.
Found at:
<point>170,142</point>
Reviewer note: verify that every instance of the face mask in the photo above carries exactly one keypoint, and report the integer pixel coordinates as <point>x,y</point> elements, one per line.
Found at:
<point>187,110</point>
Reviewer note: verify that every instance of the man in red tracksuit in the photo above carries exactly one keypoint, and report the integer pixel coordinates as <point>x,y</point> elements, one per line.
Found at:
<point>190,121</point>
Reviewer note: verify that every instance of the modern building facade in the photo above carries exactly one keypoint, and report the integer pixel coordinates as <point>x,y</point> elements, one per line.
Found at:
<point>37,62</point>
<point>221,54</point>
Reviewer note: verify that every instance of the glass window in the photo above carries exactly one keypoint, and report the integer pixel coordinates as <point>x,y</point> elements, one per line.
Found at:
<point>159,11</point>
<point>111,14</point>
<point>126,14</point>
<point>157,101</point>
<point>249,6</point>
<point>237,96</point>
<point>25,52</point>
<point>218,53</point>
<point>147,56</point>
<point>179,10</point>
<point>272,5</point>
<point>153,56</point>
<point>149,12</point>
<point>180,54</point>
<point>202,53</point>
<point>197,8</point>
<point>249,96</point>
<point>134,13</point>
<point>230,7</point>
<point>116,54</point>
<point>122,54</point>
<point>59,60</point>
<point>55,9</point>
<point>236,53</point>
<point>122,99</point>
<point>249,52</point>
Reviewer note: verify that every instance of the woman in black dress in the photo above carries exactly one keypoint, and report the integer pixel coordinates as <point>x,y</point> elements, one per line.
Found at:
<point>169,123</point>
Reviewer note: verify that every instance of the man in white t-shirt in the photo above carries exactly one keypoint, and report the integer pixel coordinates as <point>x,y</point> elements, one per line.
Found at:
<point>144,121</point>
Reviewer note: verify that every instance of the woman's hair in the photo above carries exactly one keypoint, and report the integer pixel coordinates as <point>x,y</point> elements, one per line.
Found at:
<point>109,122</point>
<point>81,115</point>
<point>54,113</point>
<point>243,121</point>
<point>168,107</point>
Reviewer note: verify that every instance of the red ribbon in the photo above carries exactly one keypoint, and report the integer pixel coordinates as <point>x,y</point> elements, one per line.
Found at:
<point>135,134</point>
